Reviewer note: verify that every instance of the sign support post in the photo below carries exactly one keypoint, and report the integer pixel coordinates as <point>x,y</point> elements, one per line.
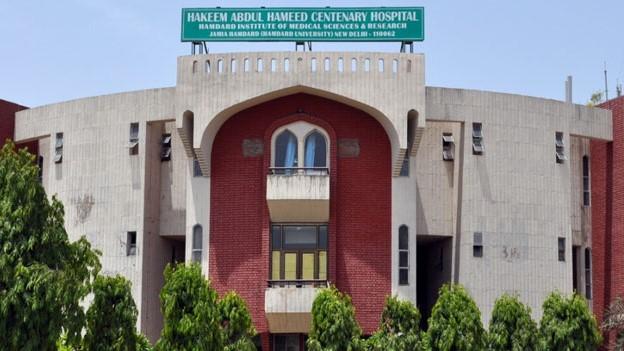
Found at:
<point>199,44</point>
<point>407,43</point>
<point>303,45</point>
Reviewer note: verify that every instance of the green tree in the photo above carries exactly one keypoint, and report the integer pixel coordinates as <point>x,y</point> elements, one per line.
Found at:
<point>614,322</point>
<point>399,329</point>
<point>190,311</point>
<point>236,323</point>
<point>334,327</point>
<point>511,326</point>
<point>112,317</point>
<point>568,325</point>
<point>43,276</point>
<point>595,99</point>
<point>455,322</point>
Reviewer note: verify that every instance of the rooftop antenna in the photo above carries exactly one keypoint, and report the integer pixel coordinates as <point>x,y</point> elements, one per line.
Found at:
<point>568,90</point>
<point>606,82</point>
<point>618,88</point>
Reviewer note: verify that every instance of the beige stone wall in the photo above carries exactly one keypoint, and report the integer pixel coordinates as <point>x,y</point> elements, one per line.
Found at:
<point>436,181</point>
<point>515,193</point>
<point>102,187</point>
<point>381,84</point>
<point>173,187</point>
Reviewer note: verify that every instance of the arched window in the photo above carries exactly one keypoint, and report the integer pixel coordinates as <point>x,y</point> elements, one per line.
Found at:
<point>300,148</point>
<point>403,255</point>
<point>286,150</point>
<point>196,252</point>
<point>315,151</point>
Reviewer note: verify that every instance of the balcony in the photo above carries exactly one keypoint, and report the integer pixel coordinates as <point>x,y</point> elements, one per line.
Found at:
<point>298,194</point>
<point>288,305</point>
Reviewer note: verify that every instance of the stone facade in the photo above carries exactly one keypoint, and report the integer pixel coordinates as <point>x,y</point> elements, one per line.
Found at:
<point>400,156</point>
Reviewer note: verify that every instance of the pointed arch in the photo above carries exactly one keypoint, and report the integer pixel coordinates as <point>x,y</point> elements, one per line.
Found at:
<point>207,132</point>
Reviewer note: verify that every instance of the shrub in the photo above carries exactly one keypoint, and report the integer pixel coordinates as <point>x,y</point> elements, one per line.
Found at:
<point>614,322</point>
<point>399,329</point>
<point>511,326</point>
<point>333,323</point>
<point>111,318</point>
<point>455,322</point>
<point>190,311</point>
<point>236,324</point>
<point>567,324</point>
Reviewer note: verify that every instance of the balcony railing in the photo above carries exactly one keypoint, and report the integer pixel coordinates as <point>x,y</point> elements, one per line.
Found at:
<point>298,171</point>
<point>298,283</point>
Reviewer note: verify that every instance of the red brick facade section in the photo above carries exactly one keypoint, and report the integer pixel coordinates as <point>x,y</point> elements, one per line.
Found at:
<point>607,185</point>
<point>360,205</point>
<point>7,124</point>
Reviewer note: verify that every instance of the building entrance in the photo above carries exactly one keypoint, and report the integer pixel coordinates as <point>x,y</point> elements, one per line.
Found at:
<point>434,261</point>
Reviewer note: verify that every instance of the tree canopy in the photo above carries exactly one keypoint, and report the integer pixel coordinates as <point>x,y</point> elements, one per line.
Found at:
<point>236,323</point>
<point>334,327</point>
<point>511,326</point>
<point>614,322</point>
<point>112,317</point>
<point>567,324</point>
<point>455,323</point>
<point>399,328</point>
<point>43,276</point>
<point>190,311</point>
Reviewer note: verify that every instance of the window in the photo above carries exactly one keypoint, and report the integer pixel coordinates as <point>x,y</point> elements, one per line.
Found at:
<point>134,139</point>
<point>448,147</point>
<point>197,172</point>
<point>290,342</point>
<point>411,127</point>
<point>315,151</point>
<point>40,164</point>
<point>403,255</point>
<point>559,148</point>
<point>286,64</point>
<point>588,292</point>
<point>477,244</point>
<point>561,249</point>
<point>300,148</point>
<point>131,244</point>
<point>477,139</point>
<point>196,252</point>
<point>298,254</point>
<point>58,148</point>
<point>586,194</point>
<point>259,65</point>
<point>286,152</point>
<point>165,147</point>
<point>405,166</point>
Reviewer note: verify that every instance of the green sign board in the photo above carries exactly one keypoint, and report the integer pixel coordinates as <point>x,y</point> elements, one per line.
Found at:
<point>304,24</point>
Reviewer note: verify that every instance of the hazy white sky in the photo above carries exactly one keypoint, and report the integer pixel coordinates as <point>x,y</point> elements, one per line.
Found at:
<point>52,51</point>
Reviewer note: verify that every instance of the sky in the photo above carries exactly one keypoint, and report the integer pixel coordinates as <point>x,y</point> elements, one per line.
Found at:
<point>53,51</point>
